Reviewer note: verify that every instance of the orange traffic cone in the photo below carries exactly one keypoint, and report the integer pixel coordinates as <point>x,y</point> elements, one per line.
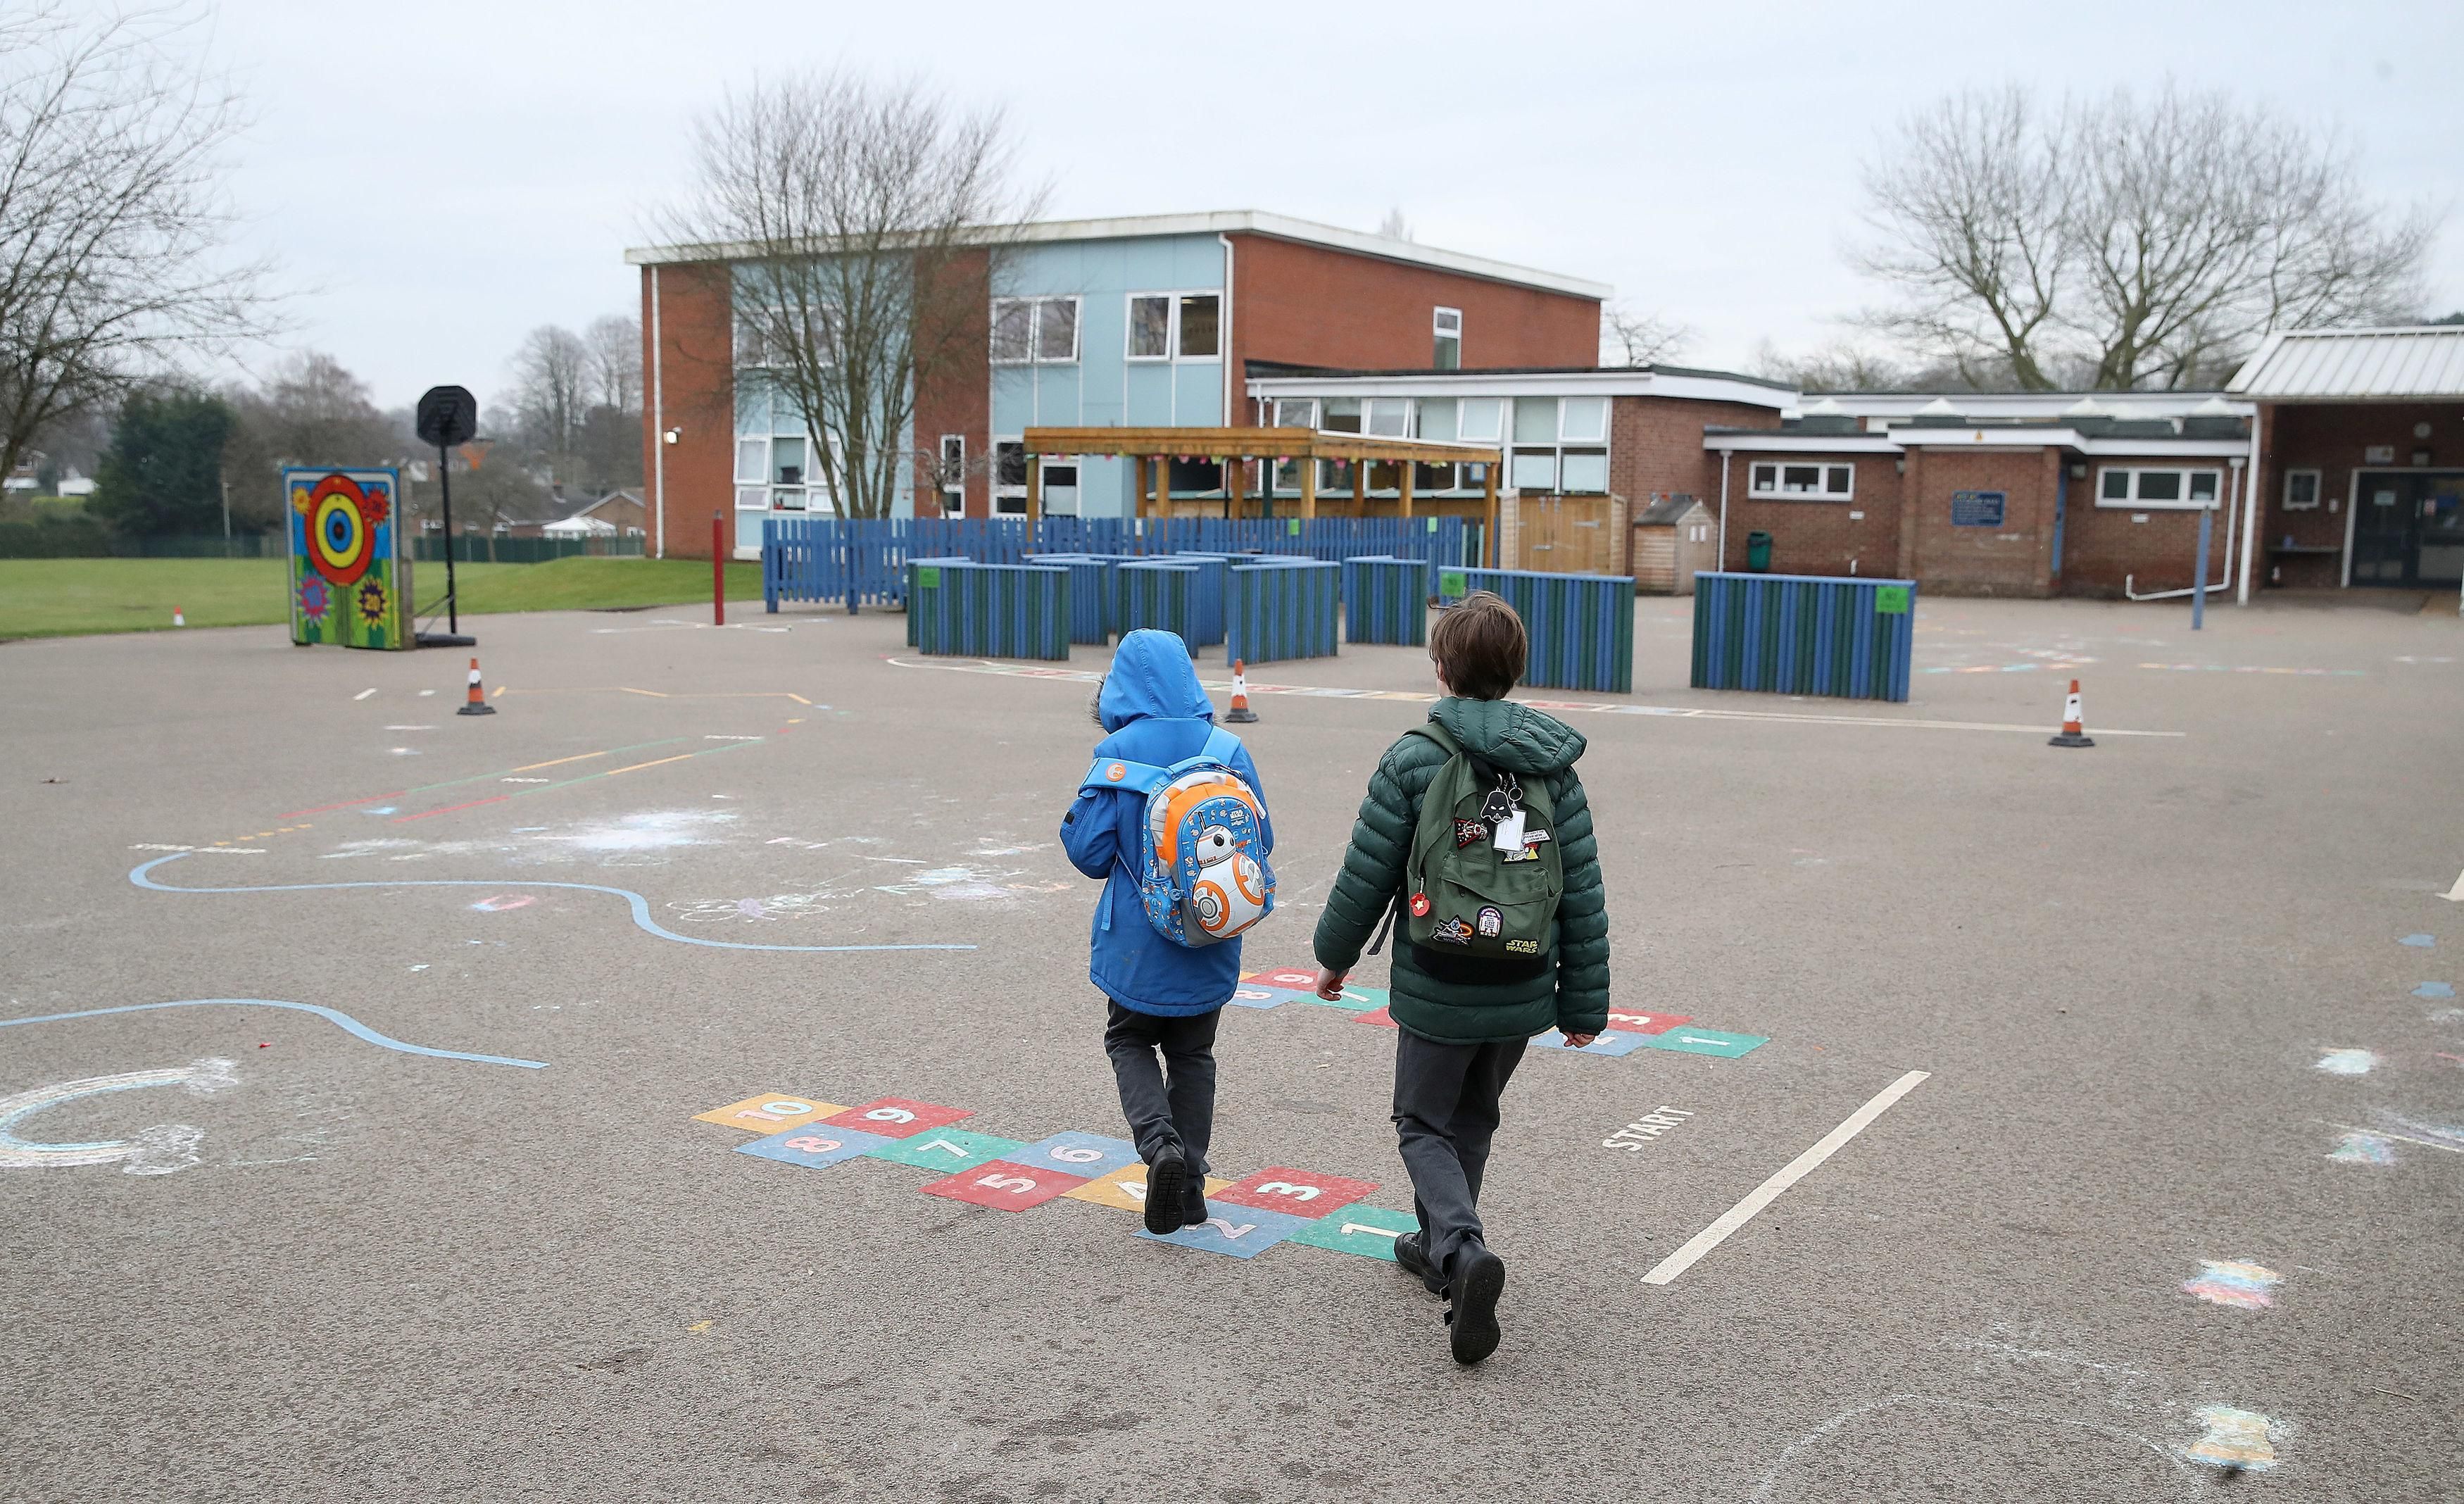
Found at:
<point>2072,735</point>
<point>1240,715</point>
<point>477,704</point>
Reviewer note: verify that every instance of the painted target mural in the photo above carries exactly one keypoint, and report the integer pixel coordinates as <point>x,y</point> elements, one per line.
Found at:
<point>350,585</point>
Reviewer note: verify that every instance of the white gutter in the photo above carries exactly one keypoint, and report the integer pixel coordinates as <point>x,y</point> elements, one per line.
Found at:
<point>1724,509</point>
<point>659,427</point>
<point>2249,520</point>
<point>1225,339</point>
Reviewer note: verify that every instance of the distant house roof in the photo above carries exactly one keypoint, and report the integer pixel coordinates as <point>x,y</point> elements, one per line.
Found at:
<point>2355,365</point>
<point>1667,511</point>
<point>1244,221</point>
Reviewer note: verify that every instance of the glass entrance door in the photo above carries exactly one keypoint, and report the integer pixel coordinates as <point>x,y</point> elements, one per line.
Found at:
<point>2408,528</point>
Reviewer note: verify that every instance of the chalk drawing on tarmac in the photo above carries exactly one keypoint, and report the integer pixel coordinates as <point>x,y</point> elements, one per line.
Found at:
<point>334,1016</point>
<point>142,877</point>
<point>2363,1148</point>
<point>2234,1282</point>
<point>1809,1465</point>
<point>2237,1440</point>
<point>2346,1062</point>
<point>157,1150</point>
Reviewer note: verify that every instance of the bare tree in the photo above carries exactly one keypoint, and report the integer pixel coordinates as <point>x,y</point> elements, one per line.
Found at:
<point>308,410</point>
<point>1394,227</point>
<point>615,345</point>
<point>863,227</point>
<point>552,381</point>
<point>114,224</point>
<point>1633,337</point>
<point>2123,244</point>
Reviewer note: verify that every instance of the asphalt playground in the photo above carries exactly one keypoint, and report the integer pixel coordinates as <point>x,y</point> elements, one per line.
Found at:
<point>2101,1134</point>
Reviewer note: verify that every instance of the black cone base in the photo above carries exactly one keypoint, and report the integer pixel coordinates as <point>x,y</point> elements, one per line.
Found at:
<point>476,709</point>
<point>2071,740</point>
<point>1239,715</point>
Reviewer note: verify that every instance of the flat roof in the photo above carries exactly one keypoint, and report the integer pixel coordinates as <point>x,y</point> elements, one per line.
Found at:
<point>2356,364</point>
<point>1223,222</point>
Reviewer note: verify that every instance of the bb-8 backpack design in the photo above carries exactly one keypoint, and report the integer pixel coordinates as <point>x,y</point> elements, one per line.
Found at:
<point>1202,875</point>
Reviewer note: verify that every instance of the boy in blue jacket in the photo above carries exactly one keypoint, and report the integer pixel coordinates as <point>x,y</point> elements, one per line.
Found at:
<point>1165,998</point>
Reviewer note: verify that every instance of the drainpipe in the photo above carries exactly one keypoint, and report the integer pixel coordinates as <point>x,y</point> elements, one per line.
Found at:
<point>1225,337</point>
<point>1724,508</point>
<point>2249,519</point>
<point>658,427</point>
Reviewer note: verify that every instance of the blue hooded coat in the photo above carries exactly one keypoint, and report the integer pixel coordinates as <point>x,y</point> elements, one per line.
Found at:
<point>1157,713</point>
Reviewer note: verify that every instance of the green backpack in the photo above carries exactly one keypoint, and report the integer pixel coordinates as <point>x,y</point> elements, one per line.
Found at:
<point>1462,897</point>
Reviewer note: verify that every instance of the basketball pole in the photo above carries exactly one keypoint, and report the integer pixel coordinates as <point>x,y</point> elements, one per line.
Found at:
<point>445,481</point>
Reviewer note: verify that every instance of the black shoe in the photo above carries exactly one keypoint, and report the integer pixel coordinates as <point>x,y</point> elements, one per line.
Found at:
<point>1412,1255</point>
<point>1480,1278</point>
<point>1167,1182</point>
<point>1194,1216</point>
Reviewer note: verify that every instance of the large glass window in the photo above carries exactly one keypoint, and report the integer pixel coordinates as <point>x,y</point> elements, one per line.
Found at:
<point>1586,420</point>
<point>1296,413</point>
<point>1447,326</point>
<point>1341,415</point>
<point>787,462</point>
<point>1390,417</point>
<point>1150,328</point>
<point>1056,329</point>
<point>1535,420</point>
<point>752,461</point>
<point>953,472</point>
<point>1484,420</point>
<point>1583,470</point>
<point>2300,490</point>
<point>1200,334</point>
<point>1013,331</point>
<point>1800,482</point>
<point>1436,418</point>
<point>1534,470</point>
<point>1034,329</point>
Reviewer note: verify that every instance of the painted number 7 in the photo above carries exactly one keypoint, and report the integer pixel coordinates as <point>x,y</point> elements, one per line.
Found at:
<point>891,1115</point>
<point>944,1144</point>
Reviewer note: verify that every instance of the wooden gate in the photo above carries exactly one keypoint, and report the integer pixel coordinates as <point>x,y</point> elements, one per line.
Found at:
<point>1567,535</point>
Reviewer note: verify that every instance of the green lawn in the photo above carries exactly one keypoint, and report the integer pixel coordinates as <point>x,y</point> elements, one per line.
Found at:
<point>65,597</point>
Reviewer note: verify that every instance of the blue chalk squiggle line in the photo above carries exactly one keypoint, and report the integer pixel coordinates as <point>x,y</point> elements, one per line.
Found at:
<point>345,1020</point>
<point>641,906</point>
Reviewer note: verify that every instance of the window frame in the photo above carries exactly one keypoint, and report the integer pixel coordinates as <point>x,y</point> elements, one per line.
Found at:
<point>953,477</point>
<point>1499,414</point>
<point>1034,305</point>
<point>1565,428</point>
<point>758,443</point>
<point>1824,470</point>
<point>2318,489</point>
<point>1173,299</point>
<point>2132,502</point>
<point>1281,402</point>
<point>1441,336</point>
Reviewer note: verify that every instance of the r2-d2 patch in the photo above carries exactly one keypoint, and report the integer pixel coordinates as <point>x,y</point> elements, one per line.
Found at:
<point>1490,921</point>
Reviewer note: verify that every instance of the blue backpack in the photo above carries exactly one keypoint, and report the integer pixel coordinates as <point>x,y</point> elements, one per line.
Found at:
<point>1201,873</point>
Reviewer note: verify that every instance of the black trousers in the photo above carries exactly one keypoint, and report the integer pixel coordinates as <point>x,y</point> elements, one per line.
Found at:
<point>1445,1112</point>
<point>1169,1100</point>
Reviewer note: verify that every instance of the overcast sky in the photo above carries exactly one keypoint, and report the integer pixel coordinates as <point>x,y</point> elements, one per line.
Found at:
<point>447,174</point>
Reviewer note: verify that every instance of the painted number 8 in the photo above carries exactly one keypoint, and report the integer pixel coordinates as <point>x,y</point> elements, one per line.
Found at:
<point>891,1115</point>
<point>812,1144</point>
<point>1077,1156</point>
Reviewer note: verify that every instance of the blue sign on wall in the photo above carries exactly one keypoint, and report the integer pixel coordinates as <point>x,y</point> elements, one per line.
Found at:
<point>1976,508</point>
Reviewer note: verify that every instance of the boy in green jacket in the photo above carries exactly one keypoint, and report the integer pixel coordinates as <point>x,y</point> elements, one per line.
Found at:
<point>1473,979</point>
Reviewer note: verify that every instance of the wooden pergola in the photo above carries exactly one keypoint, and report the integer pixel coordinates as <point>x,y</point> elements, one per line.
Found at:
<point>1156,448</point>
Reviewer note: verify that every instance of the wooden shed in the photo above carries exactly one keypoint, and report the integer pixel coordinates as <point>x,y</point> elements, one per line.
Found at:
<point>1673,538</point>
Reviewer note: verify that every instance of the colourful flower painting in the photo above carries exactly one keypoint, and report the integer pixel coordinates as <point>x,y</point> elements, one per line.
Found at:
<point>349,582</point>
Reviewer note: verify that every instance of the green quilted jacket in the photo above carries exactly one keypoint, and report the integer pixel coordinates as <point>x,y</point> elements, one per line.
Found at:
<point>1571,994</point>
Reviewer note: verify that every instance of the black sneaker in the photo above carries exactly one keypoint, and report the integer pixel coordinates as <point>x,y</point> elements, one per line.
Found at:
<point>1412,1255</point>
<point>1480,1278</point>
<point>1167,1182</point>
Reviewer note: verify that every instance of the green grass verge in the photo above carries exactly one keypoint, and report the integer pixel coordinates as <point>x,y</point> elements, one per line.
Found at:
<point>69,597</point>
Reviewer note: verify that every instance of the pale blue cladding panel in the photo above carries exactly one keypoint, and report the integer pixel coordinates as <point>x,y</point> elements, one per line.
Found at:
<point>1056,394</point>
<point>752,409</point>
<point>1197,391</point>
<point>1013,398</point>
<point>1150,391</point>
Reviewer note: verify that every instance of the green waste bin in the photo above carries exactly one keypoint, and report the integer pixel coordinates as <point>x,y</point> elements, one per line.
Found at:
<point>1758,552</point>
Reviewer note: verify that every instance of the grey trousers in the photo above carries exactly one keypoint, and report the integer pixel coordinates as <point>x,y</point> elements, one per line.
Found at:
<point>1445,1112</point>
<point>1180,1113</point>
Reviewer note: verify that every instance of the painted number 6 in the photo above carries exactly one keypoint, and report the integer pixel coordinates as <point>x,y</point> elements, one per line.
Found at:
<point>891,1115</point>
<point>1077,1156</point>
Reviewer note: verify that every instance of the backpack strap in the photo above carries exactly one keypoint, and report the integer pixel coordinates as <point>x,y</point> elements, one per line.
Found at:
<point>1119,772</point>
<point>1221,745</point>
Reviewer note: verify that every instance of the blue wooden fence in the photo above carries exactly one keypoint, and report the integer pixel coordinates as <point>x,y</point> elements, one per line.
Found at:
<point>1386,600</point>
<point>1090,594</point>
<point>864,563</point>
<point>1282,608</point>
<point>1804,634</point>
<point>981,610</point>
<point>1580,627</point>
<point>1161,594</point>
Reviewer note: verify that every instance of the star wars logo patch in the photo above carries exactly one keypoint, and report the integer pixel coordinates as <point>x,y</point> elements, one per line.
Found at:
<point>1468,832</point>
<point>1454,931</point>
<point>1523,947</point>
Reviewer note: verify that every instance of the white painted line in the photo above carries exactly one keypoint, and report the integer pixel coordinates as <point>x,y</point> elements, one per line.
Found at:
<point>2456,894</point>
<point>1763,1195</point>
<point>364,694</point>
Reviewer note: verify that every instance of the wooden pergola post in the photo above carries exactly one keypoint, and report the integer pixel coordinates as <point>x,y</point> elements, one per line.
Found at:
<point>1489,495</point>
<point>1034,495</point>
<point>1163,486</point>
<point>1408,468</point>
<point>1235,477</point>
<point>1308,489</point>
<point>1138,473</point>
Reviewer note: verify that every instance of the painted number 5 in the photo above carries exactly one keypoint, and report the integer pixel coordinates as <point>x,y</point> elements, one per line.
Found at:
<point>891,1115</point>
<point>1007,1183</point>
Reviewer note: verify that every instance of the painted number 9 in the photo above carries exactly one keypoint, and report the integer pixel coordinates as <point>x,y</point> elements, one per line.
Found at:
<point>891,1115</point>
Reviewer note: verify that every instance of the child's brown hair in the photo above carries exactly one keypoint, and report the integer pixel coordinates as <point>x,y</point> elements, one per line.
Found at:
<point>1479,647</point>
